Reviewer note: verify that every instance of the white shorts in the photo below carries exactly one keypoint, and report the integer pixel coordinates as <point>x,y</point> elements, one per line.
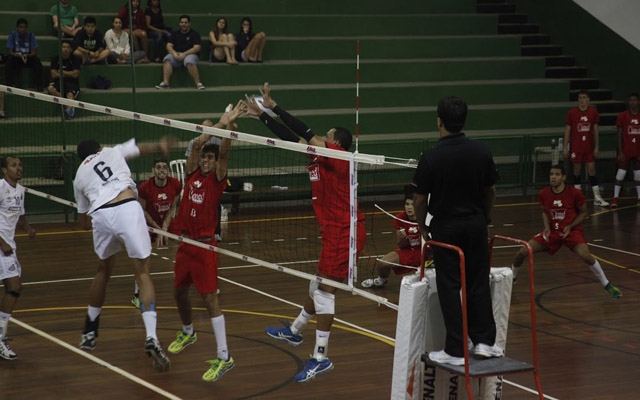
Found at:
<point>9,266</point>
<point>121,224</point>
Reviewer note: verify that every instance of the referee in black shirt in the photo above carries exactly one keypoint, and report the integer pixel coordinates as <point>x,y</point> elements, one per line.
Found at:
<point>459,174</point>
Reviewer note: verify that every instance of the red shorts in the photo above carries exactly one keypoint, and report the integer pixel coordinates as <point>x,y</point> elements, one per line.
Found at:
<point>635,161</point>
<point>409,257</point>
<point>580,157</point>
<point>555,242</point>
<point>334,256</point>
<point>196,266</point>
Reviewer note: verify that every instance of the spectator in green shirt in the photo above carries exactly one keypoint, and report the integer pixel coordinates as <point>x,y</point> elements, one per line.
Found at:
<point>69,22</point>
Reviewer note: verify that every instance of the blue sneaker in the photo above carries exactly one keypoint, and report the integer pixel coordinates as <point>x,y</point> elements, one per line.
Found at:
<point>313,368</point>
<point>284,334</point>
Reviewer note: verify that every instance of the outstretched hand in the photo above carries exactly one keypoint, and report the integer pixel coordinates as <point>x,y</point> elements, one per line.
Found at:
<point>238,111</point>
<point>267,101</point>
<point>253,109</point>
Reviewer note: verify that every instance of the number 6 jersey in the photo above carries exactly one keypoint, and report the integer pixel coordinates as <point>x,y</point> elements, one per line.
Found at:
<point>102,176</point>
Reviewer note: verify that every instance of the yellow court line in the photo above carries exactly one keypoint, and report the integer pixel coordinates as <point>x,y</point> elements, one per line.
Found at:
<point>615,265</point>
<point>261,314</point>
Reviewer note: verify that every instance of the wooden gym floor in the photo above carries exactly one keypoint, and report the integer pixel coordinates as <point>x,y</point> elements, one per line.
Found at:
<point>589,344</point>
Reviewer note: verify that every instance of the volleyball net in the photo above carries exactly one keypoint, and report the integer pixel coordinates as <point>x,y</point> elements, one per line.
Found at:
<point>268,203</point>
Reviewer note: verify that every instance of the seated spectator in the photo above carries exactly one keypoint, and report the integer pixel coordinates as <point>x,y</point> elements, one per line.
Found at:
<point>22,46</point>
<point>70,66</point>
<point>117,42</point>
<point>138,26</point>
<point>156,29</point>
<point>89,45</point>
<point>223,44</point>
<point>2,114</point>
<point>250,44</point>
<point>69,23</point>
<point>183,49</point>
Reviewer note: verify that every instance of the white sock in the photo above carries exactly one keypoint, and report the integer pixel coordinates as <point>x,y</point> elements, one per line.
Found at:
<point>599,273</point>
<point>136,289</point>
<point>93,312</point>
<point>150,319</point>
<point>300,322</point>
<point>220,330</point>
<point>4,322</point>
<point>638,190</point>
<point>322,345</point>
<point>616,191</point>
<point>188,329</point>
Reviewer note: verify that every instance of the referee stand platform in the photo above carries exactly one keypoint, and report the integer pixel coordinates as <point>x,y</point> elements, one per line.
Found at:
<point>498,366</point>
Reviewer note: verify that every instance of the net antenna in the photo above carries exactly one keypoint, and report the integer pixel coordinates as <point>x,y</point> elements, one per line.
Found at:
<point>353,185</point>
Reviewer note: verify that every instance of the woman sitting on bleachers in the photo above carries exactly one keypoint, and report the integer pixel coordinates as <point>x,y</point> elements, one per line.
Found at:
<point>117,42</point>
<point>156,29</point>
<point>223,43</point>
<point>137,27</point>
<point>250,44</point>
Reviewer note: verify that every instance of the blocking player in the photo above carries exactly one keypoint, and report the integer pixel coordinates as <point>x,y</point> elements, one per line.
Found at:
<point>11,215</point>
<point>563,210</point>
<point>582,143</point>
<point>331,204</point>
<point>107,200</point>
<point>628,124</point>
<point>158,197</point>
<point>407,254</point>
<point>197,219</point>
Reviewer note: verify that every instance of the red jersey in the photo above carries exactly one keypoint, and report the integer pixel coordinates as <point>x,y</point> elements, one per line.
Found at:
<point>410,228</point>
<point>198,211</point>
<point>581,123</point>
<point>330,189</point>
<point>630,125</point>
<point>562,208</point>
<point>159,199</point>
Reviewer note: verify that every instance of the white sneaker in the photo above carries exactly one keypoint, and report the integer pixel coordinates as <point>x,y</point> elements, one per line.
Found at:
<point>162,85</point>
<point>376,283</point>
<point>443,358</point>
<point>600,202</point>
<point>200,86</point>
<point>485,351</point>
<point>5,350</point>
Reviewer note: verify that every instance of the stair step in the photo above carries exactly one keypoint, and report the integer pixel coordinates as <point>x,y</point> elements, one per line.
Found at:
<point>495,8</point>
<point>584,83</point>
<point>560,61</point>
<point>539,50</point>
<point>607,119</point>
<point>566,72</point>
<point>518,28</point>
<point>514,18</point>
<point>537,38</point>
<point>491,1</point>
<point>594,94</point>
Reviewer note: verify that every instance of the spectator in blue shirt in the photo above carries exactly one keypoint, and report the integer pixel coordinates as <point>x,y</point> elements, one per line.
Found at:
<point>183,49</point>
<point>22,46</point>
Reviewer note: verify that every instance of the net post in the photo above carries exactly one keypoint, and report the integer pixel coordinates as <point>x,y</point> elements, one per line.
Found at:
<point>353,228</point>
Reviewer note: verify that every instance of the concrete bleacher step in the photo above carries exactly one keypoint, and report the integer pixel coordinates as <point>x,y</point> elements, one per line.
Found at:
<point>560,61</point>
<point>152,101</point>
<point>371,47</point>
<point>253,7</point>
<point>328,72</point>
<point>541,50</point>
<point>513,18</point>
<point>512,29</point>
<point>495,8</point>
<point>584,83</point>
<point>336,25</point>
<point>566,72</point>
<point>594,94</point>
<point>535,38</point>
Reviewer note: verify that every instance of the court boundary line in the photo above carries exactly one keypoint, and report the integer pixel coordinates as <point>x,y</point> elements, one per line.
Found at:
<point>96,360</point>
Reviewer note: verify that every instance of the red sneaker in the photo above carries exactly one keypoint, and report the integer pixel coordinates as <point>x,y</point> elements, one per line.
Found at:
<point>614,202</point>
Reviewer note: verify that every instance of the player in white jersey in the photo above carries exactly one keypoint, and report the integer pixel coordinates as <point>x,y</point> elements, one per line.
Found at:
<point>11,215</point>
<point>107,199</point>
